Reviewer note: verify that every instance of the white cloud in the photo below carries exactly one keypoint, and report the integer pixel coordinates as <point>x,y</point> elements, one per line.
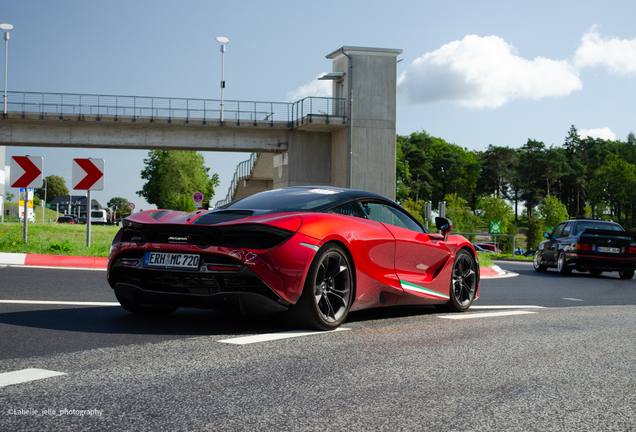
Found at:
<point>603,133</point>
<point>484,72</point>
<point>312,88</point>
<point>618,55</point>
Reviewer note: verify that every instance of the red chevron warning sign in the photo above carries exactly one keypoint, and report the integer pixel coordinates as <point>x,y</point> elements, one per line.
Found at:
<point>26,172</point>
<point>88,174</point>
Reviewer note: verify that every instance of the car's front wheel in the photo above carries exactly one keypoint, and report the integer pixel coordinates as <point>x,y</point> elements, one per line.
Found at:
<point>328,292</point>
<point>626,274</point>
<point>536,262</point>
<point>463,283</point>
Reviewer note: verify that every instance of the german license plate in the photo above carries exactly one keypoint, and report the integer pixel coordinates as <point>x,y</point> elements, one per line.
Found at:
<point>173,260</point>
<point>608,249</point>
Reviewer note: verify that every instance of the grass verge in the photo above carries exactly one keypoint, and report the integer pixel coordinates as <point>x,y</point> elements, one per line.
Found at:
<point>56,239</point>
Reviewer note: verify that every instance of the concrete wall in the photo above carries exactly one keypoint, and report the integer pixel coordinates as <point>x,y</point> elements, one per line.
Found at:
<point>307,162</point>
<point>372,110</point>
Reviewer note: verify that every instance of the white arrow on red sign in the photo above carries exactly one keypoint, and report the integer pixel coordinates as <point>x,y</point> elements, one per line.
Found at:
<point>26,172</point>
<point>88,174</point>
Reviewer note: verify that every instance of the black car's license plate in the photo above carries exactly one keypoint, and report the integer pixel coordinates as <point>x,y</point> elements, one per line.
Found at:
<point>173,260</point>
<point>608,249</point>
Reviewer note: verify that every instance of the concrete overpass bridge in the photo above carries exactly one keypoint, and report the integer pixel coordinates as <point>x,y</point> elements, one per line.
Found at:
<point>347,140</point>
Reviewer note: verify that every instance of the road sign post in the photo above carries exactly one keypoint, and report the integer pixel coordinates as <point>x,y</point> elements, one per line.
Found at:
<point>88,174</point>
<point>26,172</point>
<point>197,197</point>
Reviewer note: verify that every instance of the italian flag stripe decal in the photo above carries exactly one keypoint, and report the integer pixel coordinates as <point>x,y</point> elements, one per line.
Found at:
<point>421,290</point>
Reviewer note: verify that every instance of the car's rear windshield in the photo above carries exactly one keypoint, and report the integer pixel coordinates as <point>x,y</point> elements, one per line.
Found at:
<point>582,226</point>
<point>289,200</point>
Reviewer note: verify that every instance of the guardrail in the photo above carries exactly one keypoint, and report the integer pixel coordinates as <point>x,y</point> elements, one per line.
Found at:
<point>69,104</point>
<point>243,172</point>
<point>491,235</point>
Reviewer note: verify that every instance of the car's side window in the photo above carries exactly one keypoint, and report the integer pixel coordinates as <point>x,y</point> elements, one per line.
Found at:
<point>557,230</point>
<point>390,215</point>
<point>566,230</point>
<point>350,209</point>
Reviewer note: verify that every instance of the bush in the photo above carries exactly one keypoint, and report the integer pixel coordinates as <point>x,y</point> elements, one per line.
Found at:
<point>535,232</point>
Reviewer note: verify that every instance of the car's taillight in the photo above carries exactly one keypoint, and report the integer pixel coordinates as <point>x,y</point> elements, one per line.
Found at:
<point>584,247</point>
<point>630,250</point>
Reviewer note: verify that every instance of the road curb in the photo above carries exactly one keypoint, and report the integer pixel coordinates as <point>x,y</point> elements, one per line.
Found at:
<point>52,260</point>
<point>493,272</point>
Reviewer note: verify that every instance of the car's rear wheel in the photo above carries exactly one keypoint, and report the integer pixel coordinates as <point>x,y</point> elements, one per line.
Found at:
<point>463,283</point>
<point>561,265</point>
<point>134,306</point>
<point>328,292</point>
<point>626,274</point>
<point>536,262</point>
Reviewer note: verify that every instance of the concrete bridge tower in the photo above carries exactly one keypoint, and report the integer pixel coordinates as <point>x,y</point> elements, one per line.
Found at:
<point>360,154</point>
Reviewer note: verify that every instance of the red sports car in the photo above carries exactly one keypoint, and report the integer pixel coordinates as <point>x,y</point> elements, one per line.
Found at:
<point>313,253</point>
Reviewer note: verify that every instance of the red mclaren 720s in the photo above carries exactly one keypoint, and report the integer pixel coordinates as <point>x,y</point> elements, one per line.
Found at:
<point>312,253</point>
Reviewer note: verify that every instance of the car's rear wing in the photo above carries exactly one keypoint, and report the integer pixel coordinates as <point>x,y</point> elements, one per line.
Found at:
<point>610,233</point>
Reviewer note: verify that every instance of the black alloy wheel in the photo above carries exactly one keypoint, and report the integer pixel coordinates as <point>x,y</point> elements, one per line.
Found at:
<point>328,291</point>
<point>562,268</point>
<point>626,274</point>
<point>463,282</point>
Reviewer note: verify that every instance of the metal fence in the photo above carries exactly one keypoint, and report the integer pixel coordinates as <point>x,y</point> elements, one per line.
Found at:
<point>68,104</point>
<point>243,172</point>
<point>491,235</point>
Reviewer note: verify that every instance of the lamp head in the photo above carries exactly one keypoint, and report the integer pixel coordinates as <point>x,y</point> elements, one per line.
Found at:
<point>222,42</point>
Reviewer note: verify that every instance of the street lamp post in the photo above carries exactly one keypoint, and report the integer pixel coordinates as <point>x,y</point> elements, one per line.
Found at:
<point>223,41</point>
<point>6,29</point>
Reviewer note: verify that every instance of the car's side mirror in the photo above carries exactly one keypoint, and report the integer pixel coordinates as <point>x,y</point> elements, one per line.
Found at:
<point>546,235</point>
<point>444,225</point>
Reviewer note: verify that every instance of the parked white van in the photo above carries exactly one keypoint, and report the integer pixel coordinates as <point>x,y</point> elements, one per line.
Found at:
<point>99,217</point>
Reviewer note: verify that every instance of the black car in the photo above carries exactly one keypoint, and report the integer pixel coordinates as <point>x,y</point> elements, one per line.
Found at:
<point>588,245</point>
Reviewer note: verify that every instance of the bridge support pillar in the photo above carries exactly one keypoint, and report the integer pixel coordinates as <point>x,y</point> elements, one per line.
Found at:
<point>360,155</point>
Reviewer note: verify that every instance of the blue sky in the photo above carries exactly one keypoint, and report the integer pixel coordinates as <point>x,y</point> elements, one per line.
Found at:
<point>474,73</point>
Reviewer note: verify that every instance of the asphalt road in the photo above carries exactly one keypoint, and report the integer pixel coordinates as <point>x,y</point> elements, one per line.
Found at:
<point>569,365</point>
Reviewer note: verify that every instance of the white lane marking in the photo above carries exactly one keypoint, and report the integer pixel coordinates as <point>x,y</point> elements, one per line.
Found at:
<point>506,307</point>
<point>571,299</point>
<point>275,336</point>
<point>485,315</point>
<point>26,375</point>
<point>61,303</point>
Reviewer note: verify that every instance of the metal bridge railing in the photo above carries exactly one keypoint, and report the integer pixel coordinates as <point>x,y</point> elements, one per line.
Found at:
<point>243,172</point>
<point>68,104</point>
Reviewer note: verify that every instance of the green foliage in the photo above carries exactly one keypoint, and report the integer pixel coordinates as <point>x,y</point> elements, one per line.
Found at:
<point>415,208</point>
<point>552,211</point>
<point>613,183</point>
<point>120,206</point>
<point>9,196</point>
<point>56,239</point>
<point>535,232</point>
<point>55,186</point>
<point>497,209</point>
<point>172,177</point>
<point>460,214</point>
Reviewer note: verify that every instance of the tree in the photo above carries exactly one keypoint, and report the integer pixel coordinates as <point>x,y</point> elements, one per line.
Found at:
<point>402,173</point>
<point>120,206</point>
<point>460,214</point>
<point>496,209</point>
<point>530,172</point>
<point>552,211</point>
<point>613,182</point>
<point>55,186</point>
<point>9,196</point>
<point>173,176</point>
<point>498,168</point>
<point>415,208</point>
